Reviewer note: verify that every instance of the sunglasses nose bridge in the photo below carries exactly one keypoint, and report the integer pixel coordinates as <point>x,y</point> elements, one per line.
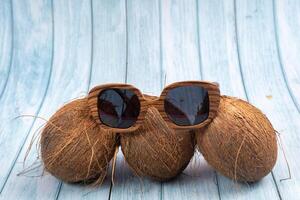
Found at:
<point>151,102</point>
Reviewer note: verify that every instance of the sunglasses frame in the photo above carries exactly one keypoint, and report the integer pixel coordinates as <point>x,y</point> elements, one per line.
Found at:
<point>146,102</point>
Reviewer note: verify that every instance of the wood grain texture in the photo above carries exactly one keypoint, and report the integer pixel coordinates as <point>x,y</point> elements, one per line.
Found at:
<point>181,61</point>
<point>145,103</point>
<point>69,79</point>
<point>108,65</point>
<point>286,16</point>
<point>250,47</point>
<point>28,80</point>
<point>219,49</point>
<point>6,43</point>
<point>144,72</point>
<point>218,46</point>
<point>109,42</point>
<point>93,105</point>
<point>260,62</point>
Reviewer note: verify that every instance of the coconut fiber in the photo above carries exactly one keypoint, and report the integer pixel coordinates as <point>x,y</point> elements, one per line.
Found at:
<point>240,142</point>
<point>72,146</point>
<point>155,150</point>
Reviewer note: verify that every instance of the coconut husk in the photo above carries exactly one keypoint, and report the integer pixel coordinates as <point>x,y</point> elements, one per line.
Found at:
<point>155,150</point>
<point>240,142</point>
<point>73,148</point>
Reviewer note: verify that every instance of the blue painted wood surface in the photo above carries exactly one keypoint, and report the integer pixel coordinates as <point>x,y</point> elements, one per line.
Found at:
<point>54,51</point>
<point>28,80</point>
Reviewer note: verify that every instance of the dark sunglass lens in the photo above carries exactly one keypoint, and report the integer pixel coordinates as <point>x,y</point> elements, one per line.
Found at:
<point>118,108</point>
<point>187,105</point>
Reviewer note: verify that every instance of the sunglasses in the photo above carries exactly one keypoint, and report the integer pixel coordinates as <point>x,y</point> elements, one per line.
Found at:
<point>183,105</point>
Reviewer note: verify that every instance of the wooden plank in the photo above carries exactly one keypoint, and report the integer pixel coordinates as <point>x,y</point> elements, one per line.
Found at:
<point>144,68</point>
<point>221,63</point>
<point>181,61</point>
<point>180,40</point>
<point>29,78</point>
<point>218,46</point>
<point>144,72</point>
<point>6,43</point>
<point>287,29</point>
<point>70,78</point>
<point>266,88</point>
<point>216,53</point>
<point>109,42</point>
<point>108,65</point>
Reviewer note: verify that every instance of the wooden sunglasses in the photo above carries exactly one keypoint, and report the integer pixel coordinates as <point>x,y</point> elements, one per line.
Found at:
<point>183,105</point>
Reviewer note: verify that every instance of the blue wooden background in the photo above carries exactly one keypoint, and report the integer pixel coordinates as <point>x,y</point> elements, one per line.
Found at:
<point>54,51</point>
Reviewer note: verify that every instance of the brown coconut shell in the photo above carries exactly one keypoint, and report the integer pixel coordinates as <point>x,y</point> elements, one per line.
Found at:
<point>155,150</point>
<point>240,142</point>
<point>73,148</point>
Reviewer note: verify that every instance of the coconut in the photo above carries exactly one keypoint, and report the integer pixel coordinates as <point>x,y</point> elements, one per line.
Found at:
<point>240,142</point>
<point>155,150</point>
<point>73,148</point>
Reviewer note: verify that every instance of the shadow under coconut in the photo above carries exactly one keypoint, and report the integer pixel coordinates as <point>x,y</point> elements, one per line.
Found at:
<point>197,170</point>
<point>86,189</point>
<point>125,176</point>
<point>200,172</point>
<point>231,189</point>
